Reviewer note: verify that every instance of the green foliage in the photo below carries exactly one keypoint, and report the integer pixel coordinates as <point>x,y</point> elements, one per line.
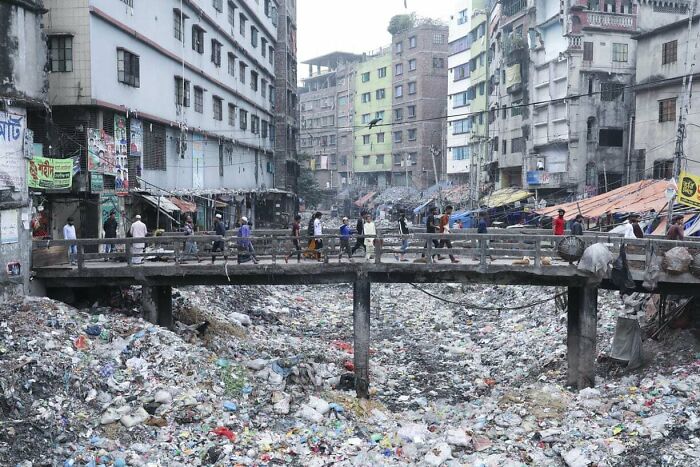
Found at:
<point>308,188</point>
<point>400,23</point>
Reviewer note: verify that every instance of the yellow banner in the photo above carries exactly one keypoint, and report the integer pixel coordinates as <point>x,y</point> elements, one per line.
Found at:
<point>689,190</point>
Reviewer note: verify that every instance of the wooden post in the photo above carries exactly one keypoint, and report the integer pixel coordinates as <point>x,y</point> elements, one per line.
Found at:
<point>581,336</point>
<point>573,335</point>
<point>361,300</point>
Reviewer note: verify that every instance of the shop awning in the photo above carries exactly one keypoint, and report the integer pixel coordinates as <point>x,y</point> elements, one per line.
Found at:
<point>165,204</point>
<point>504,197</point>
<point>364,199</point>
<point>185,206</point>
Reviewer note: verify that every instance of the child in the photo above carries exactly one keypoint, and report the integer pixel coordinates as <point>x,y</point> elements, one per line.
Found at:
<point>345,232</point>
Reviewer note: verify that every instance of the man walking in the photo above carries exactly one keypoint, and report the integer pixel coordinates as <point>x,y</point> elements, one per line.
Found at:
<point>69,234</point>
<point>138,230</point>
<point>110,228</point>
<point>559,223</point>
<point>219,229</point>
<point>370,231</point>
<point>190,245</point>
<point>296,234</point>
<point>482,226</point>
<point>431,228</point>
<point>244,242</point>
<point>577,226</point>
<point>676,231</point>
<point>359,231</point>
<point>445,229</point>
<point>403,231</point>
<point>318,232</point>
<point>345,232</point>
<point>636,229</point>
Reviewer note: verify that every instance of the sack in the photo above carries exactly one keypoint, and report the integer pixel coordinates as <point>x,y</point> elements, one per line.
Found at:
<point>652,273</point>
<point>621,276</point>
<point>595,260</point>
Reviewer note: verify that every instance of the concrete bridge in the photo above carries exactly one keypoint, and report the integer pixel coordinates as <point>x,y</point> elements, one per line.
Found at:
<point>494,258</point>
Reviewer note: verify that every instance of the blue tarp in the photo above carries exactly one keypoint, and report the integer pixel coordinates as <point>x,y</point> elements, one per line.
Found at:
<point>469,219</point>
<point>422,206</point>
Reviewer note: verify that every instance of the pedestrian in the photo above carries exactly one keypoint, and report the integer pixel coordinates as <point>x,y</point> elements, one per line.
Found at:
<point>636,228</point>
<point>558,223</point>
<point>315,233</point>
<point>190,245</point>
<point>220,230</point>
<point>359,230</point>
<point>403,231</point>
<point>432,228</point>
<point>445,229</point>
<point>69,234</point>
<point>370,231</point>
<point>675,232</point>
<point>110,228</point>
<point>345,232</point>
<point>577,225</point>
<point>244,242</point>
<point>482,226</point>
<point>296,234</point>
<point>138,230</point>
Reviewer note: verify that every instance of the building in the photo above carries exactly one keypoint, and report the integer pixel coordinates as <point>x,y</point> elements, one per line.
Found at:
<point>169,97</point>
<point>661,66</point>
<point>23,84</point>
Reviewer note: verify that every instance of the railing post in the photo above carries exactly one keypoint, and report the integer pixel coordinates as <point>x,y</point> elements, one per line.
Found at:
<point>324,251</point>
<point>273,245</point>
<point>81,257</point>
<point>429,253</point>
<point>482,251</point>
<point>361,308</point>
<point>378,249</point>
<point>129,253</point>
<point>538,254</point>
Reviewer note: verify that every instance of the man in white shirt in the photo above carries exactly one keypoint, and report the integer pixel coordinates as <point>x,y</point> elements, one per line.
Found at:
<point>69,234</point>
<point>318,232</point>
<point>138,230</point>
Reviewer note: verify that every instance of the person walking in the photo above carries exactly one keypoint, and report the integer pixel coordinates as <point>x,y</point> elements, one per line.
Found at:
<point>482,225</point>
<point>296,234</point>
<point>403,231</point>
<point>190,245</point>
<point>359,230</point>
<point>244,242</point>
<point>559,223</point>
<point>636,228</point>
<point>431,228</point>
<point>577,226</point>
<point>370,231</point>
<point>69,234</point>
<point>676,231</point>
<point>345,232</point>
<point>445,229</point>
<point>220,229</point>
<point>110,228</point>
<point>138,230</point>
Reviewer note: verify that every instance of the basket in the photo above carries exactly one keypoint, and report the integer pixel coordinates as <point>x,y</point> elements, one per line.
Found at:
<point>571,248</point>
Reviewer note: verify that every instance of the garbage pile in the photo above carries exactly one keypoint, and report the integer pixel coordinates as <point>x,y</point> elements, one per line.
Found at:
<point>262,376</point>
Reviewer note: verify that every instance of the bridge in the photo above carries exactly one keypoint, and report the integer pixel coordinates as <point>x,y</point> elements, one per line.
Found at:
<point>527,257</point>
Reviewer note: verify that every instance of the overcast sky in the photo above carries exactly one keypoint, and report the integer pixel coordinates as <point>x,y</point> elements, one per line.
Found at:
<point>354,25</point>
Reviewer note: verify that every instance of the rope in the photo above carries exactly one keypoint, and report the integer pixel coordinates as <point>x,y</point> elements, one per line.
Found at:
<point>478,307</point>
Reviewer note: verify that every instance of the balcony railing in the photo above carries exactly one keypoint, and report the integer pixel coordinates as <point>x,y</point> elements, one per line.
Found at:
<point>513,7</point>
<point>575,42</point>
<point>615,20</point>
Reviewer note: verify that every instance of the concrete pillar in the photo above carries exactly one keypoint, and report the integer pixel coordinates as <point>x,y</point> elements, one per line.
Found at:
<point>360,308</point>
<point>581,336</point>
<point>157,304</point>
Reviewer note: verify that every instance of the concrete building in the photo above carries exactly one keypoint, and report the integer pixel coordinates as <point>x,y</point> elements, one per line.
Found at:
<point>23,84</point>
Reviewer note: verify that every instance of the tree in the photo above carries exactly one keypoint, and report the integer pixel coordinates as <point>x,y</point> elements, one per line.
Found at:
<point>400,23</point>
<point>308,188</point>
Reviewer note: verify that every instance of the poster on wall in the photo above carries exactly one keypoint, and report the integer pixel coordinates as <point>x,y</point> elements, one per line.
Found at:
<point>689,189</point>
<point>109,202</point>
<point>12,171</point>
<point>121,146</point>
<point>45,173</point>
<point>101,156</point>
<point>136,143</point>
<point>28,143</point>
<point>9,229</point>
<point>97,182</point>
<point>197,161</point>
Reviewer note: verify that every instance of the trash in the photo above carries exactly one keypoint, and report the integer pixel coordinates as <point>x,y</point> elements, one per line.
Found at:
<point>230,406</point>
<point>596,259</point>
<point>438,454</point>
<point>224,432</point>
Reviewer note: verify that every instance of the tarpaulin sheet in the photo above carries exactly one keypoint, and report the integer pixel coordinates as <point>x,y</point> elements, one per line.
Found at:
<point>503,197</point>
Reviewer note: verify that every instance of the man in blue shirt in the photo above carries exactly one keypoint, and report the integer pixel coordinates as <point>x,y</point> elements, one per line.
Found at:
<point>482,226</point>
<point>244,243</point>
<point>345,232</point>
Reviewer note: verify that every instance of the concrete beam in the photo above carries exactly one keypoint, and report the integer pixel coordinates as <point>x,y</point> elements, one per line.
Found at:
<point>360,309</point>
<point>157,304</point>
<point>582,324</point>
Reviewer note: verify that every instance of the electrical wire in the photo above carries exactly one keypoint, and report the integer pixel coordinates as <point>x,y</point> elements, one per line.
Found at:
<point>483,308</point>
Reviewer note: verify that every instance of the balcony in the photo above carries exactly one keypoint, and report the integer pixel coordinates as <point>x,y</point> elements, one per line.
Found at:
<point>575,42</point>
<point>599,19</point>
<point>513,7</point>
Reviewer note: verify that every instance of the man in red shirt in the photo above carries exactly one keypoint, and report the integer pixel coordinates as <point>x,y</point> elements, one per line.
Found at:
<point>559,223</point>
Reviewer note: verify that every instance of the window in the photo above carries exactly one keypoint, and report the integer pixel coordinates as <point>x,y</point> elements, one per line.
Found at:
<point>412,134</point>
<point>379,114</point>
<point>366,97</point>
<point>241,71</point>
<point>197,39</point>
<point>253,36</point>
<point>270,56</point>
<point>255,124</point>
<point>589,128</point>
<point>438,39</point>
<point>231,64</point>
<point>216,52</point>
<point>232,115</point>
<point>198,99</point>
<point>460,45</point>
<point>619,52</point>
<point>412,64</point>
<point>398,91</point>
<point>461,72</point>
<point>380,94</point>
<point>342,101</point>
<point>398,47</point>
<point>218,5</point>
<point>610,137</point>
<point>438,63</point>
<point>459,100</point>
<point>217,104</point>
<point>398,69</point>
<point>462,18</point>
<point>588,51</point>
<point>365,139</point>
<point>460,153</point>
<point>263,132</point>
<point>517,145</point>
<point>61,53</point>
<point>128,68</point>
<point>380,159</point>
<point>504,147</point>
<point>669,52</point>
<point>263,88</point>
<point>461,126</point>
<point>365,76</point>
<point>243,119</point>
<point>609,91</point>
<point>254,80</point>
<point>412,42</point>
<point>365,118</point>
<point>381,72</point>
<point>179,24</point>
<point>482,88</point>
<point>663,169</point>
<point>517,108</point>
<point>411,111</point>
<point>263,46</point>
<point>365,160</point>
<point>667,110</point>
<point>380,137</point>
<point>182,92</point>
<point>412,88</point>
<point>129,2</point>
<point>495,144</point>
<point>398,136</point>
<point>398,115</point>
<point>231,14</point>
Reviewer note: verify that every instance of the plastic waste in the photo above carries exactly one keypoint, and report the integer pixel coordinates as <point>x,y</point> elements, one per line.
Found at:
<point>596,260</point>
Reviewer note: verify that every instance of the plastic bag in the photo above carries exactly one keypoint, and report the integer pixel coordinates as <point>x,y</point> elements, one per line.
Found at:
<point>652,273</point>
<point>596,259</point>
<point>620,275</point>
<point>677,260</point>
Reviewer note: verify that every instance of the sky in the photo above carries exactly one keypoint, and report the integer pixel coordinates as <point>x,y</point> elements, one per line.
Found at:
<point>355,25</point>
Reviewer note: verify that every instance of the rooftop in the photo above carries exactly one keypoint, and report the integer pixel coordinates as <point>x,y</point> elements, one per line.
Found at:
<point>333,59</point>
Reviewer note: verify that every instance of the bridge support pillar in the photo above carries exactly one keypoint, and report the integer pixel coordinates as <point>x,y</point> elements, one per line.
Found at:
<point>582,326</point>
<point>360,308</point>
<point>157,304</point>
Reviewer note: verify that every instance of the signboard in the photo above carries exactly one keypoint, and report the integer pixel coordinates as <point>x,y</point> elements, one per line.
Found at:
<point>136,143</point>
<point>12,171</point>
<point>101,157</point>
<point>9,230</point>
<point>197,161</point>
<point>538,177</point>
<point>97,182</point>
<point>50,174</point>
<point>28,143</point>
<point>689,192</point>
<point>109,202</point>
<point>121,146</point>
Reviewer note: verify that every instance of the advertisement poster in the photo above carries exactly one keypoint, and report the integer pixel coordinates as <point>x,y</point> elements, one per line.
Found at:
<point>136,143</point>
<point>689,190</point>
<point>9,228</point>
<point>101,157</point>
<point>197,161</point>
<point>108,203</point>
<point>97,182</point>
<point>45,173</point>
<point>12,171</point>
<point>28,143</point>
<point>121,146</point>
